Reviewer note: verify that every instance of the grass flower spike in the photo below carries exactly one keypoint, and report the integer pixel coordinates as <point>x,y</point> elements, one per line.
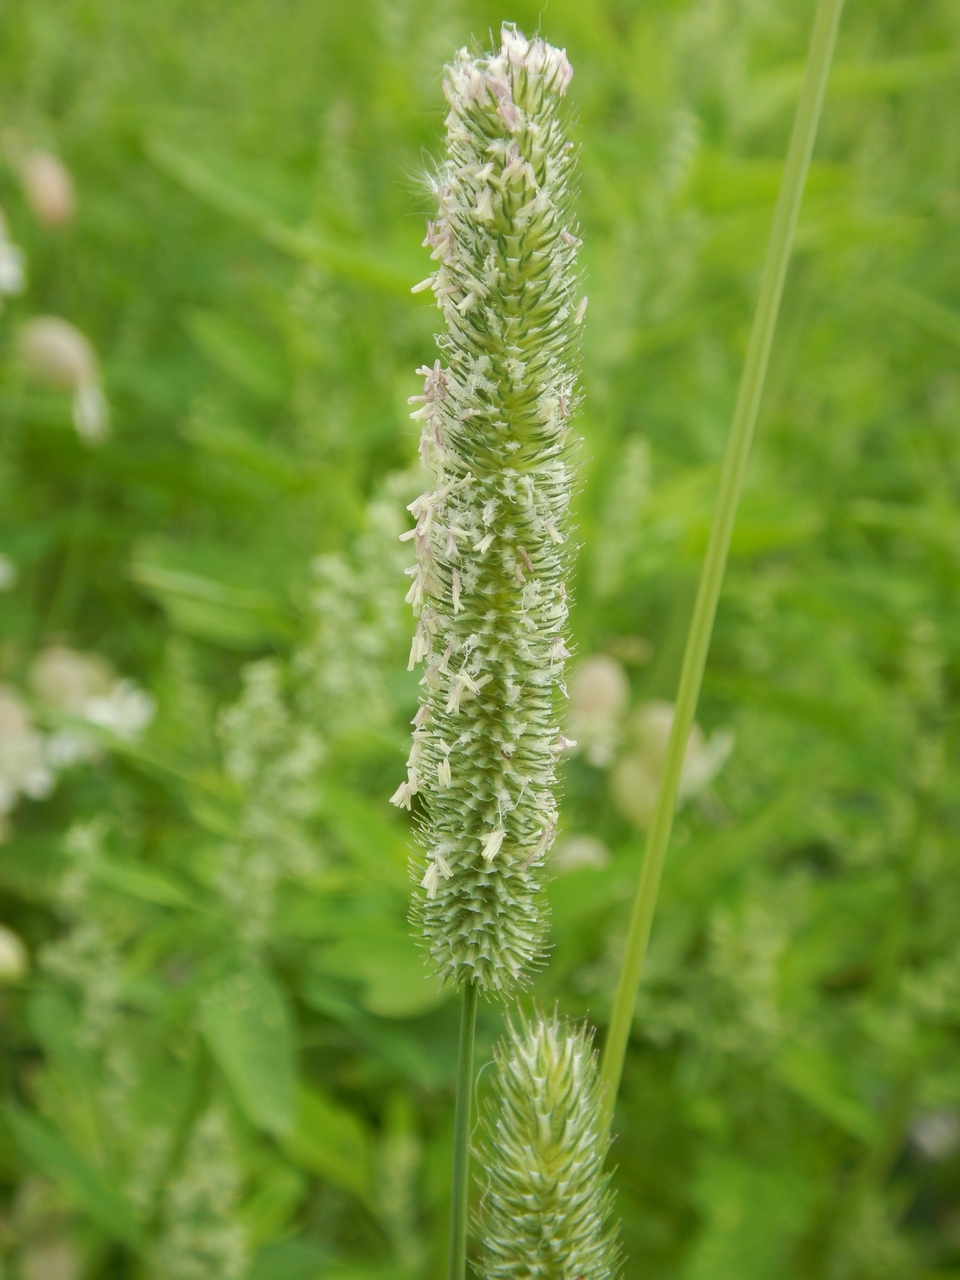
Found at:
<point>491,533</point>
<point>547,1204</point>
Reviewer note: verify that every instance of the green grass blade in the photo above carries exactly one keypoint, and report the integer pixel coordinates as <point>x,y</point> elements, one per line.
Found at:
<point>731,482</point>
<point>346,261</point>
<point>460,1190</point>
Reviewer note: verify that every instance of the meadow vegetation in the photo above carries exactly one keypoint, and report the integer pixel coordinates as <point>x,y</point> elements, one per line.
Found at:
<point>223,1054</point>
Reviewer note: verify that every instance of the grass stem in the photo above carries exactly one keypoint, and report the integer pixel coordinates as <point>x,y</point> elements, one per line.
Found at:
<point>460,1190</point>
<point>817,70</point>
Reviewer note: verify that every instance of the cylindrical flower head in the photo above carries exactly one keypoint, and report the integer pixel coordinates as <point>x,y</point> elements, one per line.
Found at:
<point>491,533</point>
<point>547,1204</point>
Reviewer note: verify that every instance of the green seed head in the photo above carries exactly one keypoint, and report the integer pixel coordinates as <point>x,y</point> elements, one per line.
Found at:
<point>545,1212</point>
<point>491,534</point>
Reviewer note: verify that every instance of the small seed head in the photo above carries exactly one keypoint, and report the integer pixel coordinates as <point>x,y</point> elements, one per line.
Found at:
<point>547,1204</point>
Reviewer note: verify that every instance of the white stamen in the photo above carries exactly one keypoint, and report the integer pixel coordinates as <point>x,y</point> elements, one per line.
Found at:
<point>402,796</point>
<point>463,685</point>
<point>492,843</point>
<point>431,880</point>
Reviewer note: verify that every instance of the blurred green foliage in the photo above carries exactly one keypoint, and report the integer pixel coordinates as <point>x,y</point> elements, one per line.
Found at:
<point>225,1059</point>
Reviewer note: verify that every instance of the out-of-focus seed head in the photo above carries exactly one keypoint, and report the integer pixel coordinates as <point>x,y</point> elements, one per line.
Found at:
<point>492,532</point>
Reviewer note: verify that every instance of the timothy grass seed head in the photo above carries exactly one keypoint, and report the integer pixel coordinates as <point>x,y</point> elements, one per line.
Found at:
<point>491,534</point>
<point>546,1209</point>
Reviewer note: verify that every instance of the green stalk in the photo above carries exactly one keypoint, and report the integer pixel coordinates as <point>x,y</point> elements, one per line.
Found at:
<point>460,1191</point>
<point>731,482</point>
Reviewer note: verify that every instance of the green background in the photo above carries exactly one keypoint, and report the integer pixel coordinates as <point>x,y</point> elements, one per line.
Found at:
<point>225,1059</point>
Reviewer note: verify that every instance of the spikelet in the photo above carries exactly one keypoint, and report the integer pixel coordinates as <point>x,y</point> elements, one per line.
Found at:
<point>545,1213</point>
<point>491,535</point>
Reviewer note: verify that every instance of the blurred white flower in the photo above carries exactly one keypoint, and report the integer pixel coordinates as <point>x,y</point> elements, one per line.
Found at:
<point>579,851</point>
<point>66,680</point>
<point>82,685</point>
<point>13,273</point>
<point>66,747</point>
<point>8,572</point>
<point>55,354</point>
<point>48,187</point>
<point>637,774</point>
<point>634,785</point>
<point>85,685</point>
<point>23,769</point>
<point>50,1259</point>
<point>705,762</point>
<point>125,711</point>
<point>14,961</point>
<point>91,413</point>
<point>936,1134</point>
<point>599,696</point>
